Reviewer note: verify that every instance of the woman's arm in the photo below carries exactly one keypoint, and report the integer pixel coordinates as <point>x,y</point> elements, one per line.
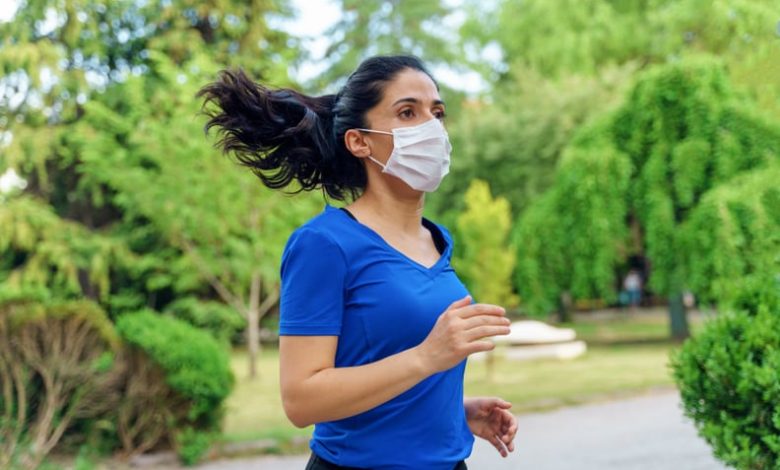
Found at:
<point>314,390</point>
<point>490,419</point>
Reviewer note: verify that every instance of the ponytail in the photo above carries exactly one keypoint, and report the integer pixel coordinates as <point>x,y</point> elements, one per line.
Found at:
<point>284,136</point>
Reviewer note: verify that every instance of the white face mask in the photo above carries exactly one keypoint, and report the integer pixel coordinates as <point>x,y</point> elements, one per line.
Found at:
<point>421,155</point>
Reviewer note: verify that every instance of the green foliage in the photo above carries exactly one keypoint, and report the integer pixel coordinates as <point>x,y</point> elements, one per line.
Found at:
<point>562,37</point>
<point>220,320</point>
<point>564,62</point>
<point>541,259</point>
<point>195,364</point>
<point>198,218</point>
<point>515,142</point>
<point>485,260</point>
<point>56,366</point>
<point>100,155</point>
<point>371,27</point>
<point>573,237</point>
<point>729,380</point>
<point>193,444</point>
<point>732,240</point>
<point>556,37</point>
<point>189,407</point>
<point>55,255</point>
<point>646,166</point>
<point>751,72</point>
<point>686,131</point>
<point>85,459</point>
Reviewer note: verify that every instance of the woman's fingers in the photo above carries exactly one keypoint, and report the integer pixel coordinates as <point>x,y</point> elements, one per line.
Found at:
<point>499,445</point>
<point>479,309</point>
<point>460,303</point>
<point>508,436</point>
<point>485,320</point>
<point>452,339</point>
<point>479,346</point>
<point>486,332</point>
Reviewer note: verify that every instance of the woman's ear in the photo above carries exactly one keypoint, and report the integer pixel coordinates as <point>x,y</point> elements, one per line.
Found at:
<point>356,143</point>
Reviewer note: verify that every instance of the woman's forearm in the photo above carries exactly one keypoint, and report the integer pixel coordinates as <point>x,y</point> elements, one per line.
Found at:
<point>314,390</point>
<point>340,392</point>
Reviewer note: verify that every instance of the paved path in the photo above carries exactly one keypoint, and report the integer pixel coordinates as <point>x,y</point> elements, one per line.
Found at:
<point>642,433</point>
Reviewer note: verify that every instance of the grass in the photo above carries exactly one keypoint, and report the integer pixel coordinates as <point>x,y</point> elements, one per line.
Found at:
<point>601,373</point>
<point>626,327</point>
<point>254,409</point>
<point>627,354</point>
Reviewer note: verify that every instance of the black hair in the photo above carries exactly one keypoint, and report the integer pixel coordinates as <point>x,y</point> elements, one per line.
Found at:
<point>283,135</point>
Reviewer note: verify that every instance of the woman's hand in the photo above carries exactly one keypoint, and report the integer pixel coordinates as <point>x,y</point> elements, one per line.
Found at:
<point>459,331</point>
<point>490,419</point>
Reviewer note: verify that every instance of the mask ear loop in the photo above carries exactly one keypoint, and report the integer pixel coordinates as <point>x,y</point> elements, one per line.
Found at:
<point>384,167</point>
<point>372,130</point>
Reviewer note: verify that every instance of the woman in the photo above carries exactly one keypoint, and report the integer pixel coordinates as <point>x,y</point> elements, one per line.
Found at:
<point>375,326</point>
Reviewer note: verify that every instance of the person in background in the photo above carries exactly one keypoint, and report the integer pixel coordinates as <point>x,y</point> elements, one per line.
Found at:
<point>375,325</point>
<point>632,284</point>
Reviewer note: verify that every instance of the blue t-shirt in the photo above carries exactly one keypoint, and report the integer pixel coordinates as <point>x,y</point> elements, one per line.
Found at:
<point>339,277</point>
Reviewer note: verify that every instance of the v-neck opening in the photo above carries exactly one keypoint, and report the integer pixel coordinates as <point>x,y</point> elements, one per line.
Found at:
<point>432,228</point>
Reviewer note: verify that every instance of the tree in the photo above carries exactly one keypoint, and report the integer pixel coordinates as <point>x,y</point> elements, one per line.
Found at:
<point>732,240</point>
<point>102,124</point>
<point>682,131</point>
<point>227,229</point>
<point>52,67</point>
<point>555,65</point>
<point>569,240</point>
<point>484,259</point>
<point>42,252</point>
<point>728,373</point>
<point>514,142</point>
<point>563,37</point>
<point>371,27</point>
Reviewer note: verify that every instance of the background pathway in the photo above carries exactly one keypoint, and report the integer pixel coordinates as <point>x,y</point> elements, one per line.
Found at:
<point>642,433</point>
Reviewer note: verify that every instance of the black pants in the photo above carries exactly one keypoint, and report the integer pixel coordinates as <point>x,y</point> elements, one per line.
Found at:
<point>318,463</point>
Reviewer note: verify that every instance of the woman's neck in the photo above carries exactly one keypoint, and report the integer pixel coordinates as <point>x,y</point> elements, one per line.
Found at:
<point>383,208</point>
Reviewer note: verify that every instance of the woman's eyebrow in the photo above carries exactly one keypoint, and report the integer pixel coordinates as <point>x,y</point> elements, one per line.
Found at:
<point>416,101</point>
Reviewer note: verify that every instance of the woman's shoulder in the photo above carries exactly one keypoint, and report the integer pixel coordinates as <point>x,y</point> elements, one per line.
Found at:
<point>330,221</point>
<point>324,230</point>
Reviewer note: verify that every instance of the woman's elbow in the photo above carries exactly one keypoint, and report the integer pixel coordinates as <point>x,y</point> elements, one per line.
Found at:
<point>295,413</point>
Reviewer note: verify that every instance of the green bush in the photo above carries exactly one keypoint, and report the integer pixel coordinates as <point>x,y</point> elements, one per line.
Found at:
<point>56,367</point>
<point>218,318</point>
<point>729,380</point>
<point>188,406</point>
<point>192,444</point>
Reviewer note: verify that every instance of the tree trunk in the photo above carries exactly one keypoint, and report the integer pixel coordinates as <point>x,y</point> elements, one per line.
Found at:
<point>253,324</point>
<point>564,307</point>
<point>678,319</point>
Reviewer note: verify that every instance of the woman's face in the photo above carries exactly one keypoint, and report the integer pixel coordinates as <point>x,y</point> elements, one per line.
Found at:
<point>410,99</point>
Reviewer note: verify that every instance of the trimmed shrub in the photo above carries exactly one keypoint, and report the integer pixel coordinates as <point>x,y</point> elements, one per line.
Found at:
<point>176,382</point>
<point>729,380</point>
<point>218,318</point>
<point>55,367</point>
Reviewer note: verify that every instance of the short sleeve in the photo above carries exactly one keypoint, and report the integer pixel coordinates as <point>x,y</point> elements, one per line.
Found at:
<point>313,273</point>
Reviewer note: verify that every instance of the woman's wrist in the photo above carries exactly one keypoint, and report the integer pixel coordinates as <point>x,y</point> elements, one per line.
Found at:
<point>468,404</point>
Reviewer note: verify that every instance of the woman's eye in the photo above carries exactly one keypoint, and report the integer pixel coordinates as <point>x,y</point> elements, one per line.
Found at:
<point>440,114</point>
<point>407,113</point>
